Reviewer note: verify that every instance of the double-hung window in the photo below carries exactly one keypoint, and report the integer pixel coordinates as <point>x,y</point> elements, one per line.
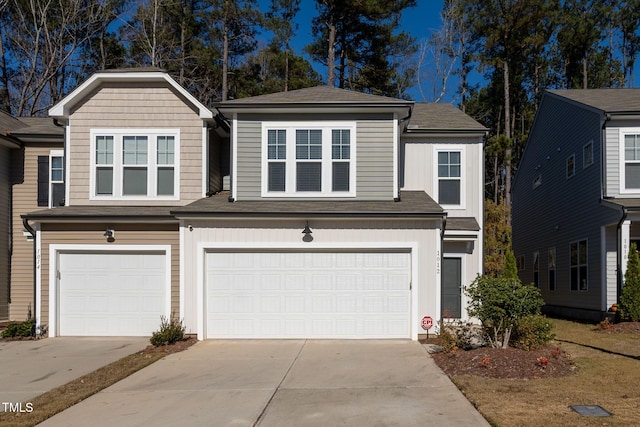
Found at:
<point>631,169</point>
<point>449,181</point>
<point>308,159</point>
<point>51,191</point>
<point>135,164</point>
<point>579,266</point>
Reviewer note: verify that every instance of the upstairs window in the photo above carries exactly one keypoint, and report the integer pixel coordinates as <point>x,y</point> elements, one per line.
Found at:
<point>450,178</point>
<point>304,159</point>
<point>587,155</point>
<point>51,191</point>
<point>571,166</point>
<point>135,164</point>
<point>632,161</point>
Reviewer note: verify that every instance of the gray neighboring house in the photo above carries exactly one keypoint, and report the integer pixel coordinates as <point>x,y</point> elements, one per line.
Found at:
<point>576,199</point>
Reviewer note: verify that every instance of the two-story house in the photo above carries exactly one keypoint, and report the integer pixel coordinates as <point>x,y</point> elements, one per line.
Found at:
<point>31,177</point>
<point>316,213</point>
<point>576,198</point>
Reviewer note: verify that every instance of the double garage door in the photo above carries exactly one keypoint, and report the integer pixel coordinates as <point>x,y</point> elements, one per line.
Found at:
<point>111,294</point>
<point>319,294</point>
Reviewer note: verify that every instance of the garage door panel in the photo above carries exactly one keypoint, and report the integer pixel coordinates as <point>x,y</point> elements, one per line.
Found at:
<point>111,294</point>
<point>307,295</point>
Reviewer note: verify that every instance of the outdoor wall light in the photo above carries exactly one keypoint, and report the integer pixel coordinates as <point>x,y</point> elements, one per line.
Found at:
<point>110,234</point>
<point>307,233</point>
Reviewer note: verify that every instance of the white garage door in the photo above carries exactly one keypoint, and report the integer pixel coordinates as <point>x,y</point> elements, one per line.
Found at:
<point>111,294</point>
<point>308,295</point>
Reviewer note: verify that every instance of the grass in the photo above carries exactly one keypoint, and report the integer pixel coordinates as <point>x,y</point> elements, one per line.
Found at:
<point>608,374</point>
<point>57,400</point>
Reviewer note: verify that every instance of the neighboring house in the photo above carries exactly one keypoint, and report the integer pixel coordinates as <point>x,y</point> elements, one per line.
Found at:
<point>31,163</point>
<point>576,198</point>
<point>305,214</point>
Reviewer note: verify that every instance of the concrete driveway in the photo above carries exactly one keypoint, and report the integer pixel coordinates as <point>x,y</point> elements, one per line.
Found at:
<point>282,383</point>
<point>30,368</point>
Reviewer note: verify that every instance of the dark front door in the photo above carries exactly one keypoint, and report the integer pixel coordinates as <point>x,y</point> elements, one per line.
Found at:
<point>451,287</point>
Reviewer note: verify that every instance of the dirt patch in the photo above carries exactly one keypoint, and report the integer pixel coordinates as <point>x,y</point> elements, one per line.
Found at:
<point>511,363</point>
<point>620,328</point>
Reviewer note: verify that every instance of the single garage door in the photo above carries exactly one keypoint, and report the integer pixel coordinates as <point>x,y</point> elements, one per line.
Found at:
<point>111,294</point>
<point>308,295</point>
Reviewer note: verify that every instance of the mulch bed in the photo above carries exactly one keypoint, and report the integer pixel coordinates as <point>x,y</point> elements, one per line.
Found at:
<point>622,327</point>
<point>510,363</point>
<point>169,349</point>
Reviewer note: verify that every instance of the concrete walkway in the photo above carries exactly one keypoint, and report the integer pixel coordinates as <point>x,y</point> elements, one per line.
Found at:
<point>30,368</point>
<point>282,383</point>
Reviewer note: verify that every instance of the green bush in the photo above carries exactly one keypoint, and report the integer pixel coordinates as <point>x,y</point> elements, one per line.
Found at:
<point>499,303</point>
<point>171,331</point>
<point>630,298</point>
<point>20,329</point>
<point>532,332</point>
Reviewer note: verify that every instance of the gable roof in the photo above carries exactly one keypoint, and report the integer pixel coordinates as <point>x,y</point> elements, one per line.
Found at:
<point>143,75</point>
<point>441,117</point>
<point>617,101</point>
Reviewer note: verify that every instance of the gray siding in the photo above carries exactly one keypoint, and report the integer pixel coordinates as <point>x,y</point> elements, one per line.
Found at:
<point>561,210</point>
<point>374,156</point>
<point>5,230</point>
<point>612,155</point>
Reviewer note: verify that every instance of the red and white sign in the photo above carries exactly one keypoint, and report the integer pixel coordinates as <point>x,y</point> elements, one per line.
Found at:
<point>427,322</point>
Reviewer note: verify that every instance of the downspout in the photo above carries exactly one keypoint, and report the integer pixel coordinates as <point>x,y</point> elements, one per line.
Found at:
<point>619,277</point>
<point>31,231</point>
<point>400,150</point>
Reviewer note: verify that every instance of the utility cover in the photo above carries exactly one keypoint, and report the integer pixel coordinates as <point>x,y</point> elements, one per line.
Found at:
<point>590,410</point>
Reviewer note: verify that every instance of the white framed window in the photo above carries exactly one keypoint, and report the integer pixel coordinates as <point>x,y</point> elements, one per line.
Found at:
<point>587,155</point>
<point>308,159</point>
<point>51,187</point>
<point>450,180</point>
<point>630,160</point>
<point>579,266</point>
<point>571,166</point>
<point>135,164</point>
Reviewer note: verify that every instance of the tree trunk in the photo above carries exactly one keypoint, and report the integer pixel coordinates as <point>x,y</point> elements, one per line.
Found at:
<point>331,55</point>
<point>225,60</point>
<point>584,73</point>
<point>286,67</point>
<point>507,132</point>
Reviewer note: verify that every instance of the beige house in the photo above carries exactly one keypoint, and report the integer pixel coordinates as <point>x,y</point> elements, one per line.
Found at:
<point>316,213</point>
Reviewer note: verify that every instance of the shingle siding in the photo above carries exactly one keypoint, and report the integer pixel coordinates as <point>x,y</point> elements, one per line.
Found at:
<point>561,210</point>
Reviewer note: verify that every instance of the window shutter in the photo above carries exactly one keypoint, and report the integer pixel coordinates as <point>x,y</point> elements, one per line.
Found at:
<point>43,181</point>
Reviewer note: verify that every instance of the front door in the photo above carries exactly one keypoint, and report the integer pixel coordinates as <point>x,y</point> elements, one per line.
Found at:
<point>451,288</point>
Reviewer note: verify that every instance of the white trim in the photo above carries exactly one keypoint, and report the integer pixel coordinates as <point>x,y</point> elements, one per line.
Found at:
<point>54,253</point>
<point>37,309</point>
<point>205,160</point>
<point>462,149</point>
<point>183,245</point>
<point>622,162</point>
<point>463,278</point>
<point>67,164</point>
<point>204,247</point>
<point>152,166</point>
<point>438,273</point>
<point>396,165</point>
<point>63,107</point>
<point>234,156</point>
<point>584,158</point>
<point>326,161</point>
<point>604,291</point>
<point>52,154</point>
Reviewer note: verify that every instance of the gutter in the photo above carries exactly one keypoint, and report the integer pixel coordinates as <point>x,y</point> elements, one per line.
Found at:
<point>33,233</point>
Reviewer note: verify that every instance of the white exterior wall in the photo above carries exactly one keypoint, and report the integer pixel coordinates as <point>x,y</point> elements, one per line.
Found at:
<point>421,172</point>
<point>420,237</point>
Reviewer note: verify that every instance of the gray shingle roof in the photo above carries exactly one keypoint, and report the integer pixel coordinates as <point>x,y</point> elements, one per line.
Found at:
<point>607,100</point>
<point>412,203</point>
<point>631,204</point>
<point>39,126</point>
<point>315,95</point>
<point>444,116</point>
<point>462,224</point>
<point>8,123</point>
<point>95,212</point>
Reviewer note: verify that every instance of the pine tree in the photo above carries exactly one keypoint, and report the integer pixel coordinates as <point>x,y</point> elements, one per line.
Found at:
<point>510,269</point>
<point>630,298</point>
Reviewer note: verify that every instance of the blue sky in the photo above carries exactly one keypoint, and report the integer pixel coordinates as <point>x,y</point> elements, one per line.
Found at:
<point>419,21</point>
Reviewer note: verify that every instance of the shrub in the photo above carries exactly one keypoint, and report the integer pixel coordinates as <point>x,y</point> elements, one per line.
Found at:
<point>20,329</point>
<point>630,298</point>
<point>532,332</point>
<point>499,303</point>
<point>171,331</point>
<point>458,334</point>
